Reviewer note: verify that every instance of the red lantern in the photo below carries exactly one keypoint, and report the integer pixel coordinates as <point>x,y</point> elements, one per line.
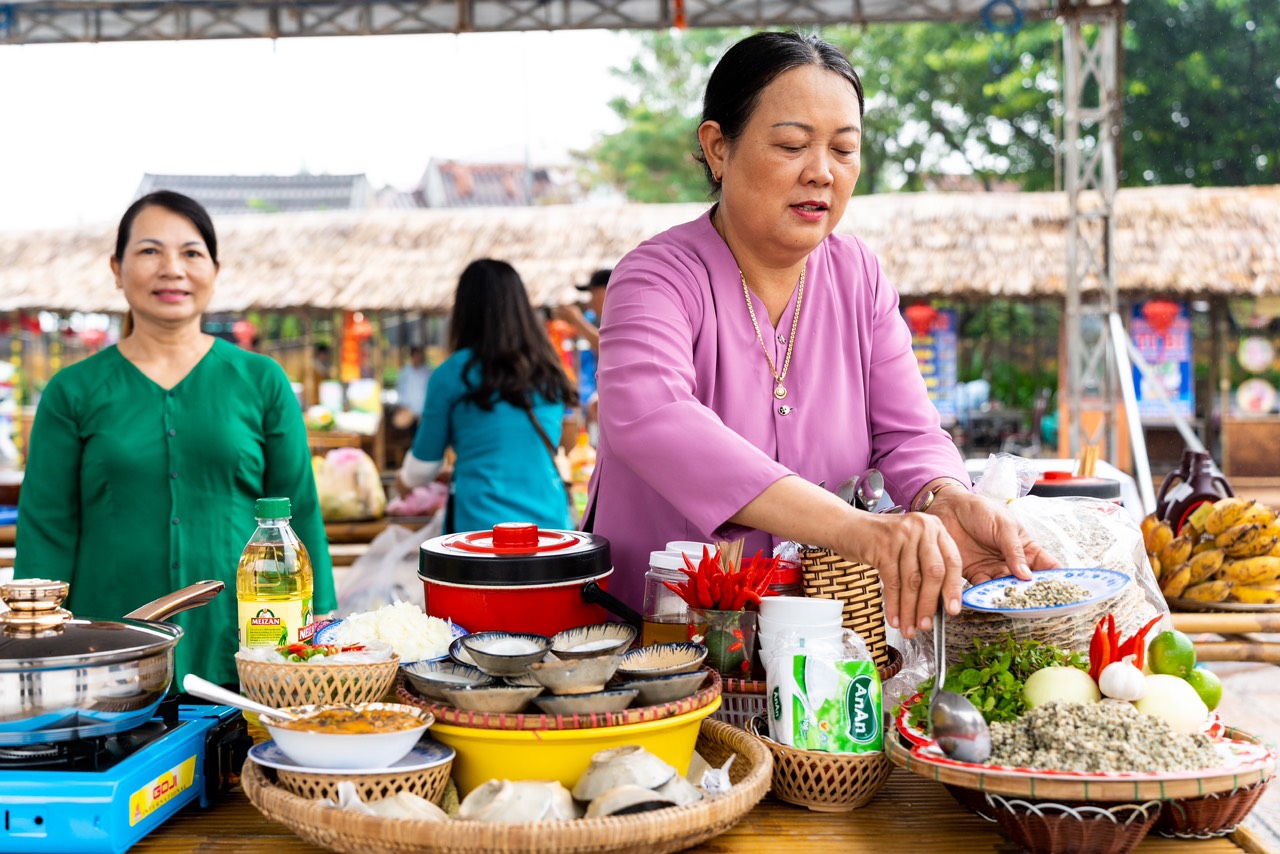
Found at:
<point>920,318</point>
<point>244,331</point>
<point>1160,314</point>
<point>93,338</point>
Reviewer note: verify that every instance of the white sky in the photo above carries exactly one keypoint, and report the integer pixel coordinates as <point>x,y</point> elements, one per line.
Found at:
<point>81,123</point>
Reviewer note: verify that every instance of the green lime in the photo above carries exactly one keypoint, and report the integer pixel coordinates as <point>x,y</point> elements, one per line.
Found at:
<point>1207,685</point>
<point>1172,653</point>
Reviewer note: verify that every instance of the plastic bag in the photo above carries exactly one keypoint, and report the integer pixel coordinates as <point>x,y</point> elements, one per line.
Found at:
<point>1006,477</point>
<point>388,571</point>
<point>825,694</point>
<point>1079,532</point>
<point>349,485</point>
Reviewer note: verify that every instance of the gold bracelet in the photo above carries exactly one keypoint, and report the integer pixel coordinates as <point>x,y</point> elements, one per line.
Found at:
<point>926,501</point>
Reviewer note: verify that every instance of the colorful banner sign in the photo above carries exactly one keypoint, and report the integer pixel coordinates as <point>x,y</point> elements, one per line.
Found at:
<point>1168,352</point>
<point>936,354</point>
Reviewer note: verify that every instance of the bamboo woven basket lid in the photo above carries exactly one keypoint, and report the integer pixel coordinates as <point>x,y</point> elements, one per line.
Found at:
<point>1252,762</point>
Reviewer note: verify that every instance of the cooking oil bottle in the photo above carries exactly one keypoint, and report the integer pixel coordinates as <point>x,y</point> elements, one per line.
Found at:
<point>274,582</point>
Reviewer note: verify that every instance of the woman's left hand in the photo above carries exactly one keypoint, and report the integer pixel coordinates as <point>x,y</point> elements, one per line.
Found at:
<point>991,541</point>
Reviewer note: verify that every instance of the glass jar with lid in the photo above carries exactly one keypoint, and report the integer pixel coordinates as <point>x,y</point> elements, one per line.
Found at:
<point>666,615</point>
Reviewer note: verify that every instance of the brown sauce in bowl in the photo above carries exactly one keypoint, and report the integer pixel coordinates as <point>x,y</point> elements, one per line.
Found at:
<point>354,722</point>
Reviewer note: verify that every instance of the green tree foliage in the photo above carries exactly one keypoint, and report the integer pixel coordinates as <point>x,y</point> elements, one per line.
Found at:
<point>1202,92</point>
<point>652,157</point>
<point>1201,83</point>
<point>925,84</point>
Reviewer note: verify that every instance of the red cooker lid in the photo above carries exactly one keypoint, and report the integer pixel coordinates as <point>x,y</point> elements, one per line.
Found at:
<point>514,553</point>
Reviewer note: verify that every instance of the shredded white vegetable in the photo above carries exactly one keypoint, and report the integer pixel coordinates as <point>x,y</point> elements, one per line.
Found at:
<point>404,625</point>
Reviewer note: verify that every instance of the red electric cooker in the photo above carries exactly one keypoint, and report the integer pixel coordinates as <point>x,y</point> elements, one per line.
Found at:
<point>518,578</point>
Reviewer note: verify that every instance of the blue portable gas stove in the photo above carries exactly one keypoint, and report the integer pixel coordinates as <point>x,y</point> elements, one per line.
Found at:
<point>103,794</point>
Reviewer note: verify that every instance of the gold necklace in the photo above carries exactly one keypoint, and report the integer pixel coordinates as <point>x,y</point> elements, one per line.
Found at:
<point>779,390</point>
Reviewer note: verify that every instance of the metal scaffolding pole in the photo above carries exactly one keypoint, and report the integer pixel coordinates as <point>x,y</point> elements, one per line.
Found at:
<point>1091,95</point>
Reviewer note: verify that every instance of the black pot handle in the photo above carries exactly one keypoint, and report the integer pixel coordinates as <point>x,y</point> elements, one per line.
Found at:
<point>597,595</point>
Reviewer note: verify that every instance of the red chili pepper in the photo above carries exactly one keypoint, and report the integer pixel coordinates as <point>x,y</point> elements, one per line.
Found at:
<point>1100,649</point>
<point>1137,645</point>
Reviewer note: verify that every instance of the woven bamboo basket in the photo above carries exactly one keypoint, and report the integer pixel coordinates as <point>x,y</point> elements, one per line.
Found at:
<point>672,829</point>
<point>1209,816</point>
<point>1217,814</point>
<point>426,783</point>
<point>705,696</point>
<point>823,782</point>
<point>1070,631</point>
<point>282,685</point>
<point>827,575</point>
<point>1040,827</point>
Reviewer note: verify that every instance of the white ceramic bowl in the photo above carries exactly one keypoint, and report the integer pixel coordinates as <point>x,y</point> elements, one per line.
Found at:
<point>801,610</point>
<point>335,751</point>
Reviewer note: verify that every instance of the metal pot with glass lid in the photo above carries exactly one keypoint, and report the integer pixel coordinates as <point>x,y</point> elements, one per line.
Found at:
<point>64,678</point>
<point>518,578</point>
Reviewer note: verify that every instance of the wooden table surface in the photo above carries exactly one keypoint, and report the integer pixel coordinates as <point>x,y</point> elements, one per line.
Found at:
<point>910,814</point>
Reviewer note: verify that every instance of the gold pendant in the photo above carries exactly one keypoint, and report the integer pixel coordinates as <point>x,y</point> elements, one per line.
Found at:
<point>780,391</point>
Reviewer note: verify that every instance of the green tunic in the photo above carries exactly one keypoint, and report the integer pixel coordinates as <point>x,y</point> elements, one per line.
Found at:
<point>132,491</point>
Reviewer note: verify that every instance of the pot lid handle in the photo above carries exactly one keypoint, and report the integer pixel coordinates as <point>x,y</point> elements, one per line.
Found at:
<point>511,538</point>
<point>34,605</point>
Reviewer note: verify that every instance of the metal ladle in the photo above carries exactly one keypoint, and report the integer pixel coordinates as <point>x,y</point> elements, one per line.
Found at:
<point>955,723</point>
<point>207,690</point>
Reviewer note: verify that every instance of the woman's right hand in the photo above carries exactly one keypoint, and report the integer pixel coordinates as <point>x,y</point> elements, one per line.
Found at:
<point>917,561</point>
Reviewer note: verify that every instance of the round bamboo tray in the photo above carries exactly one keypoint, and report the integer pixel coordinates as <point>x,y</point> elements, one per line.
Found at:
<point>1254,762</point>
<point>672,829</point>
<point>824,782</point>
<point>286,684</point>
<point>827,575</point>
<point>426,783</point>
<point>539,721</point>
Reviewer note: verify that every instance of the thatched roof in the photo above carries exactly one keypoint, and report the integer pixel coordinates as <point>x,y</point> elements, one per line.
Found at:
<point>1172,240</point>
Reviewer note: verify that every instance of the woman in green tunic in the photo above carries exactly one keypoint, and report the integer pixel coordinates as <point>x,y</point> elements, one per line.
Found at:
<point>146,458</point>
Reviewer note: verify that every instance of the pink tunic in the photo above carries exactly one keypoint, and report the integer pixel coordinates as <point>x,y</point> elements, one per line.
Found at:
<point>690,431</point>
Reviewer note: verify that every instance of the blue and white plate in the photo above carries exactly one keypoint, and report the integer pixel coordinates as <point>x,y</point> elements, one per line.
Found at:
<point>1102,584</point>
<point>427,753</point>
<point>328,634</point>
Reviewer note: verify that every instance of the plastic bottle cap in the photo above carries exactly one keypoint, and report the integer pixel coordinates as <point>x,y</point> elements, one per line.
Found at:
<point>668,560</point>
<point>272,508</point>
<point>691,548</point>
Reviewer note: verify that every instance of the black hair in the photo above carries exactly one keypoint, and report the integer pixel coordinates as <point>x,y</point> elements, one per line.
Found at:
<point>183,206</point>
<point>746,70</point>
<point>492,316</point>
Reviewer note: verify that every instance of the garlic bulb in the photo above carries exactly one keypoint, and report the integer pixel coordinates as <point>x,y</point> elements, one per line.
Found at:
<point>1122,680</point>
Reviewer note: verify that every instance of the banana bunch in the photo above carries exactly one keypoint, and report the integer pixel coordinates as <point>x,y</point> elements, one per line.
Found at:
<point>1227,551</point>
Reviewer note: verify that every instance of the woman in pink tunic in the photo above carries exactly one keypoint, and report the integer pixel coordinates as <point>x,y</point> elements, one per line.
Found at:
<point>751,353</point>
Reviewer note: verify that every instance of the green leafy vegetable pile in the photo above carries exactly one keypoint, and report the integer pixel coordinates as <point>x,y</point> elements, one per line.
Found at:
<point>992,675</point>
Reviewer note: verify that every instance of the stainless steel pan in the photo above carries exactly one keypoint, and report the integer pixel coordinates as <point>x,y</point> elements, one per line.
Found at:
<point>64,678</point>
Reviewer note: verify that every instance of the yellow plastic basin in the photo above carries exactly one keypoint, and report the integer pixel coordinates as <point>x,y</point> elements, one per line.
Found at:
<point>488,754</point>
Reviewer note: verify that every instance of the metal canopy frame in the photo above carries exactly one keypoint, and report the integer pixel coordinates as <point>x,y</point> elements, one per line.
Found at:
<point>1091,100</point>
<point>1092,54</point>
<point>57,21</point>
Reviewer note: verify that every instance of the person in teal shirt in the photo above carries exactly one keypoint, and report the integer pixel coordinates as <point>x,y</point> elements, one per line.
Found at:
<point>146,459</point>
<point>496,401</point>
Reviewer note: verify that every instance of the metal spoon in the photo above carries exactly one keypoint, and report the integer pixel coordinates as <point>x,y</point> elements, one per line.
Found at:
<point>955,723</point>
<point>848,491</point>
<point>205,689</point>
<point>871,489</point>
